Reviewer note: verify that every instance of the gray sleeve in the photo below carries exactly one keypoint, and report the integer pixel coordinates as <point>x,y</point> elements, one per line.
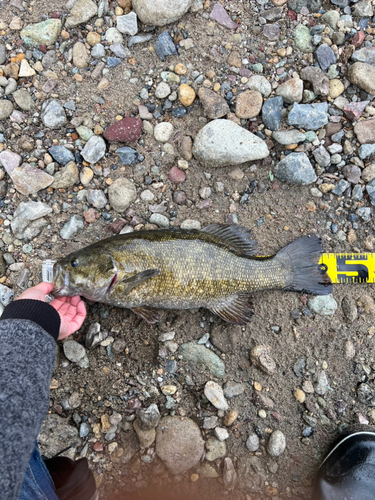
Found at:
<point>27,359</point>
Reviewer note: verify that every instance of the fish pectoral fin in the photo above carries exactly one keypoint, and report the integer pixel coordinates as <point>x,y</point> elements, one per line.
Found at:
<point>149,315</point>
<point>139,278</point>
<point>237,310</point>
<point>235,236</point>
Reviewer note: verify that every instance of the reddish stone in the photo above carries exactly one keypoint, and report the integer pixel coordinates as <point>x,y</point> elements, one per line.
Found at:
<point>358,39</point>
<point>354,110</point>
<point>312,22</point>
<point>220,15</point>
<point>204,204</point>
<point>365,131</point>
<point>252,59</point>
<point>176,175</point>
<point>292,15</point>
<point>98,446</point>
<point>43,48</point>
<point>56,15</point>
<point>116,226</point>
<point>126,130</point>
<point>90,215</point>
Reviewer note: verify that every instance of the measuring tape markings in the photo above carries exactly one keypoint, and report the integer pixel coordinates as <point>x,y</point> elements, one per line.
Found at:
<point>349,267</point>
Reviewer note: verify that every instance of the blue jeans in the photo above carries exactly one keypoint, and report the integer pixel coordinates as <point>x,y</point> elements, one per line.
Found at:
<point>37,483</point>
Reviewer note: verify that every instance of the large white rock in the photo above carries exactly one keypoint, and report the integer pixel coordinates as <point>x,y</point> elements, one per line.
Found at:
<point>223,142</point>
<point>160,12</point>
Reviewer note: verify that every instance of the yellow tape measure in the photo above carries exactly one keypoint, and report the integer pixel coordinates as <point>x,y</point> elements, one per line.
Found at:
<point>349,267</point>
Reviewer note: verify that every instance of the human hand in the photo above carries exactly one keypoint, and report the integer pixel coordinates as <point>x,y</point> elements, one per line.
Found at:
<point>72,310</point>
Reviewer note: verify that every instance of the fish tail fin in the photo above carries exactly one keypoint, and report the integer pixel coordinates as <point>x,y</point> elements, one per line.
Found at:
<point>303,256</point>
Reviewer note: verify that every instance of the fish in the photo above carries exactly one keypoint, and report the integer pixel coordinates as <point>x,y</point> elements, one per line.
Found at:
<point>216,268</point>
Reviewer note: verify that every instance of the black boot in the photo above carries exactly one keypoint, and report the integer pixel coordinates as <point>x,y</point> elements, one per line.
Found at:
<point>348,472</point>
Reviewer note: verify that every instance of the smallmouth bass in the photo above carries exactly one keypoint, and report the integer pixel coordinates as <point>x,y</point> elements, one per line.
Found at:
<point>216,268</point>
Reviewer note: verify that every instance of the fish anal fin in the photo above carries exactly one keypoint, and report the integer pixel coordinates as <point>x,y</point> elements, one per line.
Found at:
<point>151,316</point>
<point>237,310</point>
<point>235,236</point>
<point>139,278</point>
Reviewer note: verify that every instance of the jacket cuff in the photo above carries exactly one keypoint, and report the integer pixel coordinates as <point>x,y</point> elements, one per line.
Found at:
<point>37,311</point>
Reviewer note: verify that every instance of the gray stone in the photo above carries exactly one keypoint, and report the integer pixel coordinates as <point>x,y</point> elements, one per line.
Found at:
<point>366,150</point>
<point>23,100</point>
<point>11,87</point>
<point>122,194</point>
<point>160,12</point>
<point>365,55</point>
<point>286,137</point>
<point>364,212</point>
<point>261,358</point>
<point>72,227</point>
<point>276,444</point>
<point>164,46</point>
<point>252,442</point>
<point>138,39</point>
<point>67,177</point>
<point>45,32</point>
<point>317,78</point>
<point>357,193</point>
<point>119,50</point>
<point>223,142</point>
<point>82,11</point>
<point>324,305</point>
<point>322,157</point>
<point>127,24</point>
<point>26,221</point>
<point>112,35</point>
<point>325,56</point>
<point>271,112</point>
<point>98,51</point>
<point>3,54</point>
<point>291,90</point>
<point>214,394</point>
<point>96,198</point>
<point>148,418</point>
<point>160,220</point>
<point>83,430</point>
<point>128,156</point>
<point>210,422</point>
<point>74,351</point>
<point>215,449</point>
<point>49,59</point>
<point>232,389</point>
<point>363,8</point>
<point>340,187</point>
<point>349,308</point>
<point>303,39</point>
<point>371,192</point>
<point>179,443</point>
<point>296,169</point>
<point>94,149</point>
<point>61,154</point>
<point>331,18</point>
<point>366,395</point>
<point>53,114</point>
<point>146,437</point>
<point>54,436</point>
<point>201,356</point>
<point>321,386</point>
<point>308,116</point>
<point>311,5</point>
<point>6,295</point>
<point>260,84</point>
<point>6,109</point>
<point>29,180</point>
<point>362,75</point>
<point>214,105</point>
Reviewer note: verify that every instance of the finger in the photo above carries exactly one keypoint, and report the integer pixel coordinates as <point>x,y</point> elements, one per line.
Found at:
<point>75,300</point>
<point>44,287</point>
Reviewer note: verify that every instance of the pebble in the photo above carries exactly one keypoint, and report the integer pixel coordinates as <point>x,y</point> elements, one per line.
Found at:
<point>291,91</point>
<point>296,169</point>
<point>336,88</point>
<point>6,109</point>
<point>366,150</point>
<point>74,351</point>
<point>148,418</point>
<point>122,193</point>
<point>308,116</point>
<point>6,295</point>
<point>29,180</point>
<point>249,104</point>
<point>324,305</point>
<point>201,356</point>
<point>179,443</point>
<point>319,80</point>
<point>61,154</point>
<point>96,198</point>
<point>176,175</point>
<point>71,227</point>
<point>45,32</point>
<point>164,46</point>
<point>213,104</point>
<point>223,142</point>
<point>27,221</point>
<point>232,389</point>
<point>186,95</point>
<point>286,137</point>
<point>349,350</point>
<point>325,56</point>
<point>94,149</point>
<point>128,156</point>
<point>98,51</point>
<point>162,90</point>
<point>82,11</point>
<point>363,76</point>
<point>215,449</point>
<point>365,131</point>
<point>3,54</point>
<point>303,39</point>
<point>53,114</point>
<point>190,224</point>
<point>112,35</point>
<point>160,12</point>
<point>80,55</point>
<point>321,386</point>
<point>214,394</point>
<point>163,131</point>
<point>23,100</point>
<point>220,15</point>
<point>298,5</point>
<point>146,437</point>
<point>276,444</point>
<point>271,113</point>
<point>127,24</point>
<point>221,433</point>
<point>128,129</point>
<point>299,395</point>
<point>252,442</point>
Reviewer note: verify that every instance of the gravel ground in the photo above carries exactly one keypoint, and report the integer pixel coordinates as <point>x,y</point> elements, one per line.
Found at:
<point>117,117</point>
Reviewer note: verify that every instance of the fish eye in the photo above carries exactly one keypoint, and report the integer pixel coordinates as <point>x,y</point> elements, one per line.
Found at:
<point>74,263</point>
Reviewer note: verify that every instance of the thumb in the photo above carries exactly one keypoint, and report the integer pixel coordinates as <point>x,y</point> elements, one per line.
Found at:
<point>44,287</point>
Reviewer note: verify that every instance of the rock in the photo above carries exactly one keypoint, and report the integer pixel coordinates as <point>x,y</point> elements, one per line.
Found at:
<point>336,88</point>
<point>146,437</point>
<point>160,220</point>
<point>128,129</point>
<point>85,133</point>
<point>321,386</point>
<point>53,114</point>
<point>179,443</point>
<point>128,156</point>
<point>10,160</point>
<point>221,433</point>
<point>112,35</point>
<point>322,157</point>
<point>6,109</point>
<point>291,91</point>
<point>364,151</point>
<point>80,55</point>
<point>61,154</point>
<point>148,418</point>
<point>220,15</point>
<point>164,46</point>
<point>82,11</point>
<point>127,24</point>
<point>331,18</point>
<point>366,395</point>
<point>271,112</point>
<point>352,173</point>
<point>201,356</point>
<point>308,116</point>
<point>94,149</point>
<point>317,78</point>
<point>249,104</point>
<point>163,131</point>
<point>3,54</point>
<point>276,444</point>
<point>325,56</point>
<point>261,358</point>
<point>186,95</point>
<point>222,142</point>
<point>6,295</point>
<point>223,338</point>
<point>45,32</point>
<point>213,104</point>
<point>365,131</point>
<point>232,389</point>
<point>362,9</point>
<point>271,31</point>
<point>162,90</point>
<point>260,84</point>
<point>86,176</point>
<point>368,174</point>
<point>354,110</point>
<point>362,75</point>
<point>349,350</point>
<point>299,395</point>
<point>122,194</point>
<point>364,55</point>
<point>286,137</point>
<point>71,227</point>
<point>296,169</point>
<point>214,394</point>
<point>96,198</point>
<point>74,351</point>
<point>303,39</point>
<point>349,308</point>
<point>67,177</point>
<point>29,180</point>
<point>367,303</point>
<point>215,449</point>
<point>23,100</point>
<point>324,305</point>
<point>252,442</point>
<point>160,12</point>
<point>297,5</point>
<point>27,220</point>
<point>176,175</point>
<point>54,434</point>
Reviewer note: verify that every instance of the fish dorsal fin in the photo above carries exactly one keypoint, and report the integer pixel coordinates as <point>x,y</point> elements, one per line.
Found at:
<point>235,236</point>
<point>236,310</point>
<point>149,315</point>
<point>139,278</point>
